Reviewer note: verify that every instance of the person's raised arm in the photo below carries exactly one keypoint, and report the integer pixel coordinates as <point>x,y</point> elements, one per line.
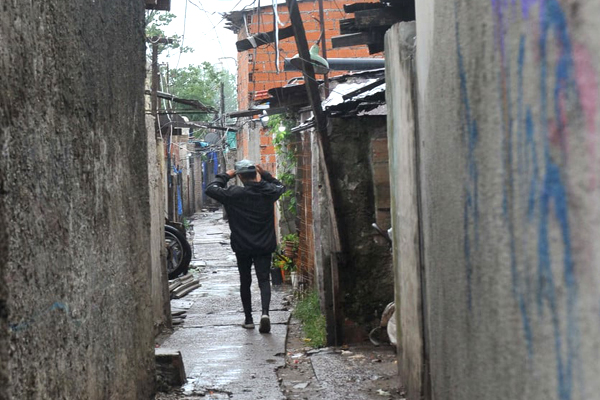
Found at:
<point>216,189</point>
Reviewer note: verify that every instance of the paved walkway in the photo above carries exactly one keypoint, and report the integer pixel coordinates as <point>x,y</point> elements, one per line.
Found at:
<point>222,359</point>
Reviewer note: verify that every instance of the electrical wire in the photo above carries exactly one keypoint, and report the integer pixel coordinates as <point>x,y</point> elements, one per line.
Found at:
<point>183,35</point>
<point>201,8</point>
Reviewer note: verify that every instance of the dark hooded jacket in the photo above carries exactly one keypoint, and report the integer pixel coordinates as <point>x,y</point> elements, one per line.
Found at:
<point>251,213</point>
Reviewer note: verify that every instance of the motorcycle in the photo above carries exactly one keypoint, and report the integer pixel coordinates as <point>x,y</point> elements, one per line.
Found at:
<point>179,251</point>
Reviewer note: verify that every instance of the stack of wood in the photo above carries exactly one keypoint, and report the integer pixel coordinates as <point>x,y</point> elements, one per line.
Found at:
<point>177,316</point>
<point>370,22</point>
<point>183,285</point>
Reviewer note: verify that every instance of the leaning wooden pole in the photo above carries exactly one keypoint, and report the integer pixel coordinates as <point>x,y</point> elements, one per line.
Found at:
<point>333,307</point>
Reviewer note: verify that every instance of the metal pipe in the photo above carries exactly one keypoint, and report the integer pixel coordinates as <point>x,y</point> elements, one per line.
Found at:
<point>345,64</point>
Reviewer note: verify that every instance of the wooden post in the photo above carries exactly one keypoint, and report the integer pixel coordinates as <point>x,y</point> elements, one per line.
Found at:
<point>334,336</point>
<point>323,44</point>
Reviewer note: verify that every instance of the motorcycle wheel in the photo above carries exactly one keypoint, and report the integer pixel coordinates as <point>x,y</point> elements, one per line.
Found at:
<point>179,252</point>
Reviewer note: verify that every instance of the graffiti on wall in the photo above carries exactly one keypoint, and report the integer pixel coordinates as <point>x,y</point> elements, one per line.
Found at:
<point>535,153</point>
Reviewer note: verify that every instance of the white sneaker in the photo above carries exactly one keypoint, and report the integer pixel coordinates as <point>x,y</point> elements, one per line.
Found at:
<point>265,324</point>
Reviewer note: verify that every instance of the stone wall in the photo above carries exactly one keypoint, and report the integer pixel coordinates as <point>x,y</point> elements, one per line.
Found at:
<point>508,142</point>
<point>366,281</point>
<point>74,202</point>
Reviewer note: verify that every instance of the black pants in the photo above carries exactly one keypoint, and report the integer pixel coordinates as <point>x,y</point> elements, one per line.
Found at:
<point>262,266</point>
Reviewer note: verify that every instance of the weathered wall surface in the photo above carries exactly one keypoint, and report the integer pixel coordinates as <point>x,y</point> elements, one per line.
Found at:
<point>509,123</point>
<point>161,307</point>
<point>74,201</point>
<point>366,282</point>
<point>404,173</point>
<point>3,289</point>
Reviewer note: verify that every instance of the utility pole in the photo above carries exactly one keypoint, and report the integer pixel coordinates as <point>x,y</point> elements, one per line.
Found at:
<point>323,44</point>
<point>155,41</point>
<point>333,308</point>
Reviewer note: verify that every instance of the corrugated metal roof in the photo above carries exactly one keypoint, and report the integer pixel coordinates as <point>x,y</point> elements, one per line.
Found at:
<point>338,92</point>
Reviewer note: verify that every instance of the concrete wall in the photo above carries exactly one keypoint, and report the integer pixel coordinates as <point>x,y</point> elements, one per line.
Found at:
<point>74,202</point>
<point>508,123</point>
<point>4,333</point>
<point>161,307</point>
<point>404,175</point>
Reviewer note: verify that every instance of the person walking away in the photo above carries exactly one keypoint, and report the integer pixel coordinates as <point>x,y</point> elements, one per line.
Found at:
<point>251,214</point>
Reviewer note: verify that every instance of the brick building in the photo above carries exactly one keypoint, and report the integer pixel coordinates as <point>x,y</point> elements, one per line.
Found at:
<point>257,68</point>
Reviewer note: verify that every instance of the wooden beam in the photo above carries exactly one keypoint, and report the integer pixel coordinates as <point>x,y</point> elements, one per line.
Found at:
<point>348,26</point>
<point>356,39</point>
<point>244,113</point>
<point>335,318</point>
<point>160,5</point>
<point>352,8</point>
<point>376,47</point>
<point>188,102</point>
<point>252,112</point>
<point>382,17</point>
<point>263,38</point>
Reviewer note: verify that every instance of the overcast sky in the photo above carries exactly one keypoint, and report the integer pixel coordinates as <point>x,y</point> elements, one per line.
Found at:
<point>204,30</point>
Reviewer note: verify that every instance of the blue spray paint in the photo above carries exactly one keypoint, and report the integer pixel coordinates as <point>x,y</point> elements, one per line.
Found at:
<point>471,209</point>
<point>31,320</point>
<point>553,21</point>
<point>547,198</point>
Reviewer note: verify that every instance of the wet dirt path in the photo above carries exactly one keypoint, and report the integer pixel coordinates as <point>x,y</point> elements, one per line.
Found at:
<point>222,360</point>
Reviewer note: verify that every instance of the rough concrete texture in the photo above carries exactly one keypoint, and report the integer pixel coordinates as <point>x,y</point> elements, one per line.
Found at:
<point>366,282</point>
<point>161,311</point>
<point>74,201</point>
<point>403,140</point>
<point>220,356</point>
<point>508,115</point>
<point>3,297</point>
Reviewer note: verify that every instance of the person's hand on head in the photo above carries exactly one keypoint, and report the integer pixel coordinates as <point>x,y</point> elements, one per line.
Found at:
<point>258,174</point>
<point>231,173</point>
<point>259,170</point>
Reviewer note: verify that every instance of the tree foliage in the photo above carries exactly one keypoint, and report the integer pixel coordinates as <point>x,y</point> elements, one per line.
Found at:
<point>195,82</point>
<point>155,21</point>
<point>202,83</point>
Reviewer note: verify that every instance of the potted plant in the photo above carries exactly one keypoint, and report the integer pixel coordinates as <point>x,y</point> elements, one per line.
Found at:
<point>285,264</point>
<point>290,242</point>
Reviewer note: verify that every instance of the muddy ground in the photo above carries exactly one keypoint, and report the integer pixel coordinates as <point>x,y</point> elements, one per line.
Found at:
<point>357,372</point>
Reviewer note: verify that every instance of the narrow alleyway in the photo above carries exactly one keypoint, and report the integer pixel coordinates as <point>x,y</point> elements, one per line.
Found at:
<point>221,358</point>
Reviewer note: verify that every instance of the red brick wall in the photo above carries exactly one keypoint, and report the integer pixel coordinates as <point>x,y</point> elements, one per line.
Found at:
<point>306,250</point>
<point>261,62</point>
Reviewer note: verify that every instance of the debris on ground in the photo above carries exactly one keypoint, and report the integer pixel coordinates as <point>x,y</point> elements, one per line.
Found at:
<point>179,287</point>
<point>357,372</point>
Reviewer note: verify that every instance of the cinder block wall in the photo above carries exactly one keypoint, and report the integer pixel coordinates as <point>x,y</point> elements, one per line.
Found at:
<point>74,202</point>
<point>508,98</point>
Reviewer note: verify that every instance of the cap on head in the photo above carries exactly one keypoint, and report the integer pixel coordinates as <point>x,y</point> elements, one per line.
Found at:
<point>244,166</point>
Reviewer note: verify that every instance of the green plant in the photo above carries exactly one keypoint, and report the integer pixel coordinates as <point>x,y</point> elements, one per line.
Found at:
<point>283,262</point>
<point>292,237</point>
<point>308,311</point>
<point>286,156</point>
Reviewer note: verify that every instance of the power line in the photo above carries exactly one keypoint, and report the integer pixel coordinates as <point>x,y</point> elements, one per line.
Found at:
<point>201,8</point>
<point>183,35</point>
